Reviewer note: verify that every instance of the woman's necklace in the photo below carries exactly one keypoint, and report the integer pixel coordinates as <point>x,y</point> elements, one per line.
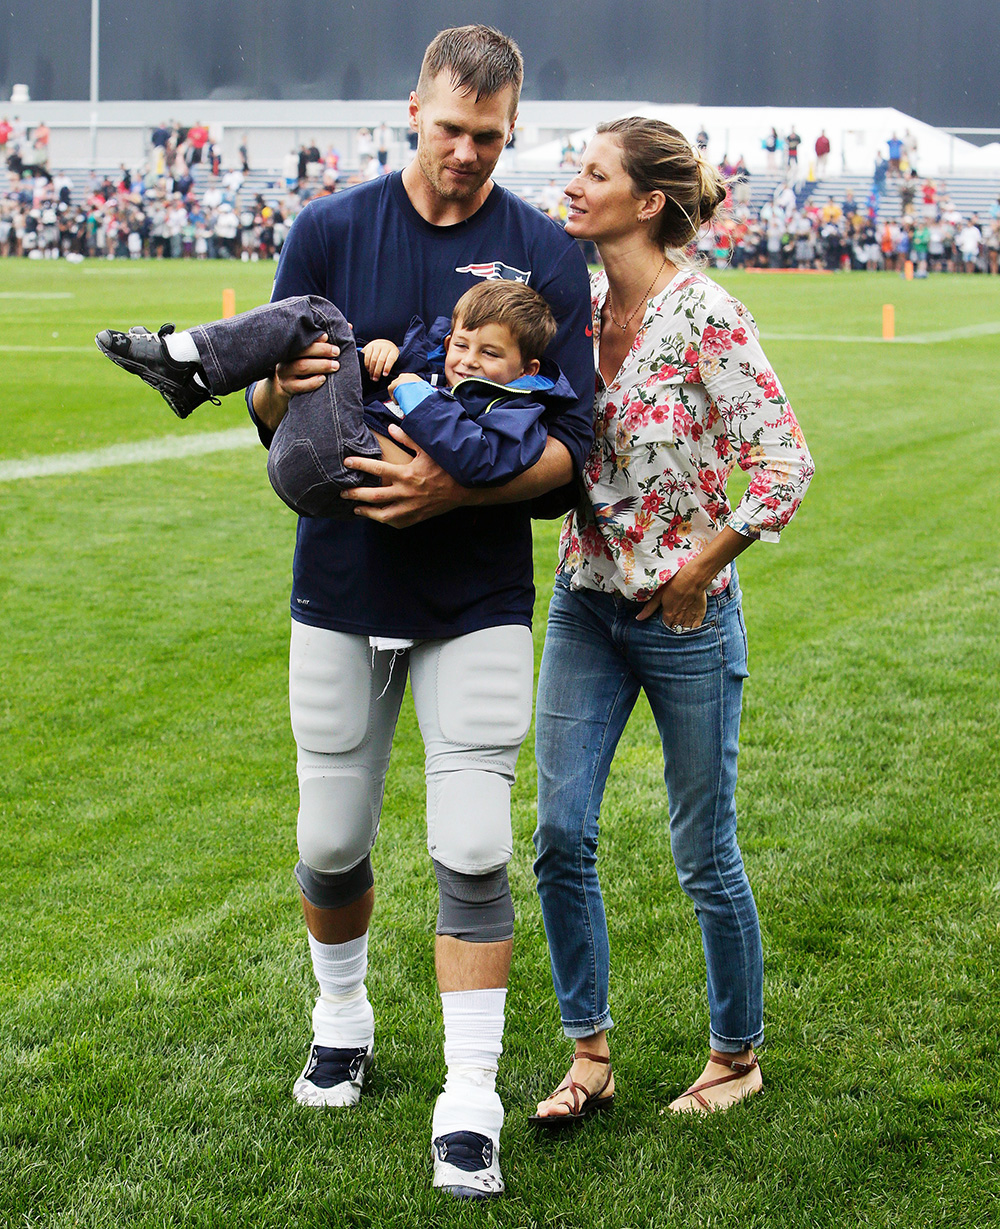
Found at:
<point>644,299</point>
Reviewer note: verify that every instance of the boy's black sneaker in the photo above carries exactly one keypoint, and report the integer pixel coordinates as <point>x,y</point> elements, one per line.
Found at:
<point>145,355</point>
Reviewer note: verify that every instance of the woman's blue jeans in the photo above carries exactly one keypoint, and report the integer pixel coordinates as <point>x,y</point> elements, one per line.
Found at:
<point>596,659</point>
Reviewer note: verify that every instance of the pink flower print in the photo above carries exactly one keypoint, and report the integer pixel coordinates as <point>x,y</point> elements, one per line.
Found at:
<point>591,541</point>
<point>722,446</point>
<point>652,501</point>
<point>715,341</point>
<point>668,537</point>
<point>766,381</point>
<point>667,371</point>
<point>761,482</point>
<point>739,336</point>
<point>634,416</point>
<point>683,421</point>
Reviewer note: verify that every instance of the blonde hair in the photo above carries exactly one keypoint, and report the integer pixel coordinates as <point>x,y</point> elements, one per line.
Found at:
<point>659,158</point>
<point>522,312</point>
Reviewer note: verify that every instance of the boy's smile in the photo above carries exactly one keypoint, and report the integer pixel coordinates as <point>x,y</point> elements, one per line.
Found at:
<point>489,353</point>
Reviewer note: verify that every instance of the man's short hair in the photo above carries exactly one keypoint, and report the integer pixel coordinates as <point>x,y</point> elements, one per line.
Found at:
<point>478,58</point>
<point>521,310</point>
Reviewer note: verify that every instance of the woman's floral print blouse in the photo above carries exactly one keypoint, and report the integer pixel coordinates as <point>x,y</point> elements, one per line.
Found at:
<point>694,397</point>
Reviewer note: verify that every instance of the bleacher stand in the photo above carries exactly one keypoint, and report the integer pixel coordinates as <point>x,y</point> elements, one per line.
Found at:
<point>204,211</point>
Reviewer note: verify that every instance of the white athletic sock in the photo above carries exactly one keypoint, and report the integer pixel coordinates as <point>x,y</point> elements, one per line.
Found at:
<point>343,1017</point>
<point>182,349</point>
<point>473,1043</point>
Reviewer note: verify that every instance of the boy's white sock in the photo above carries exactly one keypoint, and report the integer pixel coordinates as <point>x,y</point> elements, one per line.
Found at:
<point>182,349</point>
<point>473,1043</point>
<point>343,1017</point>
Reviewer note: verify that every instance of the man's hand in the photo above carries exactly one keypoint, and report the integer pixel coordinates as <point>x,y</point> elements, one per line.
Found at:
<point>302,374</point>
<point>411,492</point>
<point>379,356</point>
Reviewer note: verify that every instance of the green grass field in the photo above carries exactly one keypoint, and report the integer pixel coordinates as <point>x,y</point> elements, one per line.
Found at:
<point>154,986</point>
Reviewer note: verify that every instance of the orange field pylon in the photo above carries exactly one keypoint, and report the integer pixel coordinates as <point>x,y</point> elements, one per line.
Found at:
<point>888,322</point>
<point>228,304</point>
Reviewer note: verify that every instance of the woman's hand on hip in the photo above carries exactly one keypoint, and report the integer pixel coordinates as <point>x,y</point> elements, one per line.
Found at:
<point>680,603</point>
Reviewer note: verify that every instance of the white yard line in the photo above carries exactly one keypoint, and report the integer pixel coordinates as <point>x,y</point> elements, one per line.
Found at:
<point>28,294</point>
<point>987,329</point>
<point>166,448</point>
<point>49,350</point>
<point>912,339</point>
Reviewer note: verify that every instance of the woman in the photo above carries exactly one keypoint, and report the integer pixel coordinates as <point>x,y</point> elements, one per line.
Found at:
<point>647,596</point>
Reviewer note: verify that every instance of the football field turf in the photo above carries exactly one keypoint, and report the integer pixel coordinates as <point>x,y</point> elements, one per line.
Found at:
<point>154,983</point>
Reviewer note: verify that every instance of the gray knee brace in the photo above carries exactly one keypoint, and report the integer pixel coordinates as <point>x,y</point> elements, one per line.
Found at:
<point>475,908</point>
<point>334,891</point>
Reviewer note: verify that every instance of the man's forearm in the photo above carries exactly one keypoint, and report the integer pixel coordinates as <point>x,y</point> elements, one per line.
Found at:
<point>270,404</point>
<point>554,468</point>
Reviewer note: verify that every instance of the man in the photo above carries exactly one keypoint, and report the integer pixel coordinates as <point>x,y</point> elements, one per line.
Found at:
<point>383,138</point>
<point>822,153</point>
<point>895,154</point>
<point>792,143</point>
<point>414,581</point>
<point>968,240</point>
<point>551,199</point>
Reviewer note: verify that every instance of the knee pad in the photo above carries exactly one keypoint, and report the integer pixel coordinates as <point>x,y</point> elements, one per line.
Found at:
<point>468,820</point>
<point>327,891</point>
<point>474,908</point>
<point>338,818</point>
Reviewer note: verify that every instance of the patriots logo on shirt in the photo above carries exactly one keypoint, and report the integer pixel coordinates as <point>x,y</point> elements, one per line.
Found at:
<point>495,270</point>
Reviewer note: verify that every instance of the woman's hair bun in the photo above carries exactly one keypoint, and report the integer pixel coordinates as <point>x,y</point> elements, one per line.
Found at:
<point>659,158</point>
<point>713,191</point>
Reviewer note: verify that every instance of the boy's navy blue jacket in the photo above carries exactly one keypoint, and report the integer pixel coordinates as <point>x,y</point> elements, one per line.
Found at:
<point>480,432</point>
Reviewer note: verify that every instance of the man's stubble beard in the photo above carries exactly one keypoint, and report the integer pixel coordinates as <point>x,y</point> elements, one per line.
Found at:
<point>448,191</point>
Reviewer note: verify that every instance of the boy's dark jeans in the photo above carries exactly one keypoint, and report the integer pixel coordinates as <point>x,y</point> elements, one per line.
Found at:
<point>305,462</point>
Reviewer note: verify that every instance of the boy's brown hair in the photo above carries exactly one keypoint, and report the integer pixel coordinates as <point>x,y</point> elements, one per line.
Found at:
<point>521,310</point>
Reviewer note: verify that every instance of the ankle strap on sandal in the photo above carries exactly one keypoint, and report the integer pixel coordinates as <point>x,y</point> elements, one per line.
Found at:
<point>726,1060</point>
<point>592,1058</point>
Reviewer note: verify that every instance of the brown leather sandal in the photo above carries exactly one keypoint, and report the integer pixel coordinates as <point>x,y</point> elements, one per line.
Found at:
<point>737,1071</point>
<point>584,1101</point>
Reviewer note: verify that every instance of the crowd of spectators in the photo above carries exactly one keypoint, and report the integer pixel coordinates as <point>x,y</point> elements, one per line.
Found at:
<point>157,210</point>
<point>797,230</point>
<point>131,215</point>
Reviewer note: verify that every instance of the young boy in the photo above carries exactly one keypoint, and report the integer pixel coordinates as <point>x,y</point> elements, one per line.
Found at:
<point>486,427</point>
